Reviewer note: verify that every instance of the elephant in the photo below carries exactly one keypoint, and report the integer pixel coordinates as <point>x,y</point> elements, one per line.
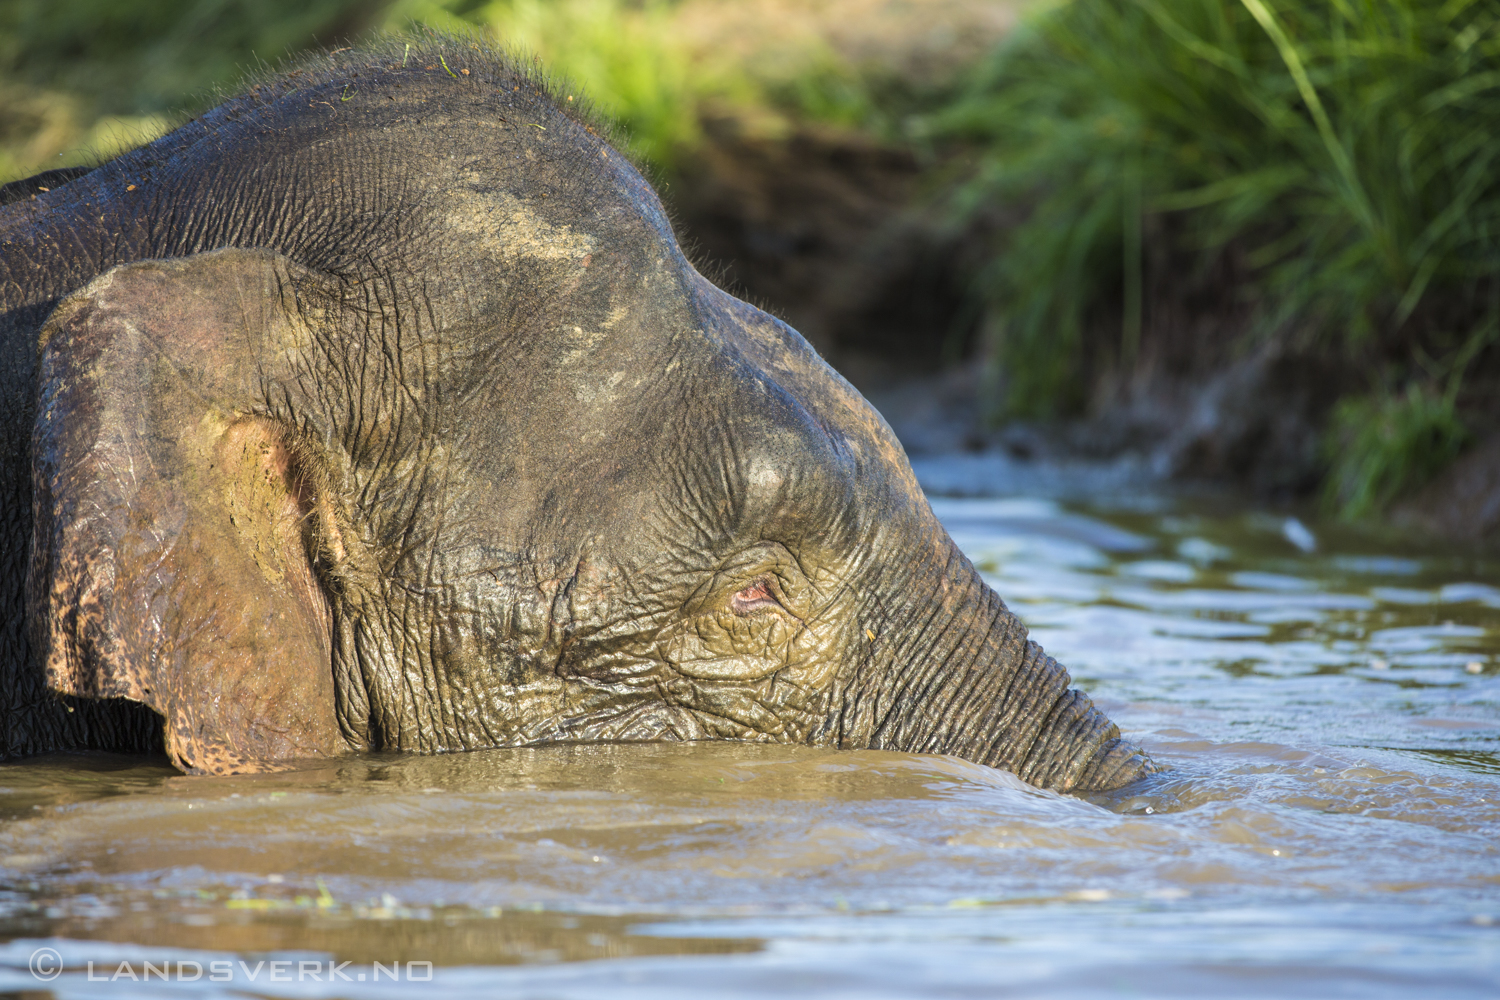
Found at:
<point>378,408</point>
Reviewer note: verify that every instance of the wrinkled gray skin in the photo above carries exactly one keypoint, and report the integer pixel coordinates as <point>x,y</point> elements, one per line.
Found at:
<point>378,408</point>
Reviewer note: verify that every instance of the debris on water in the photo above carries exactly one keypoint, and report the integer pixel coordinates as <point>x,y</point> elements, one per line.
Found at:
<point>1170,893</point>
<point>1090,895</point>
<point>1474,667</point>
<point>1296,532</point>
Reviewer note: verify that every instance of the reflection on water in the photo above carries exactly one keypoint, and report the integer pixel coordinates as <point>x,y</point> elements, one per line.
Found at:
<point>1326,703</point>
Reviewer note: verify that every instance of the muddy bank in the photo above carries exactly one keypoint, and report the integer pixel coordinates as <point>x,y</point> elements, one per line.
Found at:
<point>832,231</point>
<point>834,226</point>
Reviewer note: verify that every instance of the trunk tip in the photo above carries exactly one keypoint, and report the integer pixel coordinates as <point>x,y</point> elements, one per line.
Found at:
<point>1118,764</point>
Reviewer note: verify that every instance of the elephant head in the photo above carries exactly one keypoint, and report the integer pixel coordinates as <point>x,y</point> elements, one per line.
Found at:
<point>428,437</point>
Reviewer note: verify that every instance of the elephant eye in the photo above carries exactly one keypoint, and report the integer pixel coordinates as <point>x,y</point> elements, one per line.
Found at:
<point>756,597</point>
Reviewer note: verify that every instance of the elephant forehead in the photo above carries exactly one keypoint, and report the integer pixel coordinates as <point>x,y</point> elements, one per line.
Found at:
<point>689,450</point>
<point>599,446</point>
<point>510,228</point>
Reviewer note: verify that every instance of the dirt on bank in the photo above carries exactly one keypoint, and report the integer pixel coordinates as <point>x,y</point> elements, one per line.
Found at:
<point>829,227</point>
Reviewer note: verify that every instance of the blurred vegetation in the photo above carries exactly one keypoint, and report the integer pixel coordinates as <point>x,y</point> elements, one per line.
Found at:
<point>1383,444</point>
<point>84,79</point>
<point>1344,149</point>
<point>642,64</point>
<point>633,67</point>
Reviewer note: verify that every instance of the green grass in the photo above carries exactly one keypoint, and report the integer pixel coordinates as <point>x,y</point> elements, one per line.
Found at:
<point>136,57</point>
<point>82,79</point>
<point>1382,446</point>
<point>625,56</point>
<point>1345,149</point>
<point>636,63</point>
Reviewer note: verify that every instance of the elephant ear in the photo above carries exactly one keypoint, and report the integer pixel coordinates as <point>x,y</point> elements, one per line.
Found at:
<point>176,518</point>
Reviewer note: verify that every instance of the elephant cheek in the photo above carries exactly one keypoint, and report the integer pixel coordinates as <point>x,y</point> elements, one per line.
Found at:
<point>728,647</point>
<point>761,677</point>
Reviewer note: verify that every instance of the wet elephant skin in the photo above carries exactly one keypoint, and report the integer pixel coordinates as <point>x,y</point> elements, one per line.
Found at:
<point>379,409</point>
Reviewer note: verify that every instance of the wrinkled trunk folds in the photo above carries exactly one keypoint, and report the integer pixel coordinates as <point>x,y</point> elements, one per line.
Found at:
<point>970,683</point>
<point>1078,749</point>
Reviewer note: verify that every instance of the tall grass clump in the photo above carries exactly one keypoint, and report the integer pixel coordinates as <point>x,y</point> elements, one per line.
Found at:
<point>1382,444</point>
<point>1344,149</point>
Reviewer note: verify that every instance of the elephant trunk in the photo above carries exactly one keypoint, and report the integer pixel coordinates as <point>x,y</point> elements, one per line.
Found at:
<point>1079,749</point>
<point>967,681</point>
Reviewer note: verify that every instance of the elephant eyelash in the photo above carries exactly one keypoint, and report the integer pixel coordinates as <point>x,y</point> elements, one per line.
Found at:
<point>755,598</point>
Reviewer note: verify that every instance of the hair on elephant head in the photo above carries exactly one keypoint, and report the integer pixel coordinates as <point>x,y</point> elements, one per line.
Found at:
<point>379,408</point>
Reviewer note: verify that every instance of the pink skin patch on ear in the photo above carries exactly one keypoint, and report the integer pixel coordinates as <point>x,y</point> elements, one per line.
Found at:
<point>753,598</point>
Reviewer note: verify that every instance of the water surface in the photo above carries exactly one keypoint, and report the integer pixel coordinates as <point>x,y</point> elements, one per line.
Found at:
<point>1328,704</point>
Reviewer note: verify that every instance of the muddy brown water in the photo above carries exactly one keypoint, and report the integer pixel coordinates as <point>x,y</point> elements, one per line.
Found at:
<point>1330,718</point>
